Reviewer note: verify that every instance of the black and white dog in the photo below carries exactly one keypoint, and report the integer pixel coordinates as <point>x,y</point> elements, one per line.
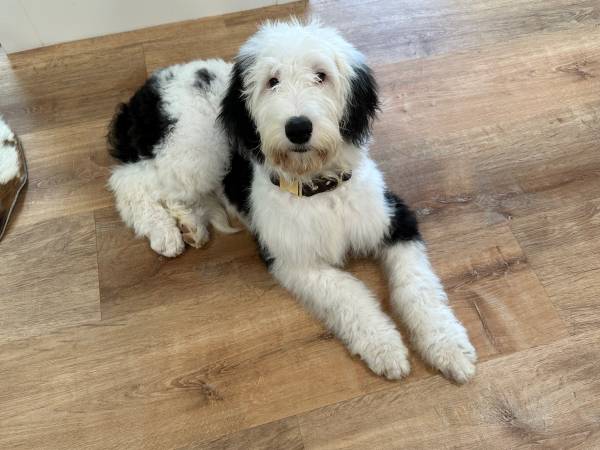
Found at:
<point>280,139</point>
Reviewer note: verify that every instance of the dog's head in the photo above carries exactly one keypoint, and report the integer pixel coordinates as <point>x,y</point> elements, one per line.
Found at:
<point>299,96</point>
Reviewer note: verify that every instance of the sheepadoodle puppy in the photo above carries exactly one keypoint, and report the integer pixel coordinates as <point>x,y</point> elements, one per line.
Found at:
<point>279,138</point>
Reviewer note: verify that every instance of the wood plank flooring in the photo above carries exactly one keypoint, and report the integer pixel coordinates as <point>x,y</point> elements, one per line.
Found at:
<point>490,129</point>
<point>544,397</point>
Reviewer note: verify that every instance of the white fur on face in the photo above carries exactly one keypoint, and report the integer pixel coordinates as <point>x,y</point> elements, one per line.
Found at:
<point>294,55</point>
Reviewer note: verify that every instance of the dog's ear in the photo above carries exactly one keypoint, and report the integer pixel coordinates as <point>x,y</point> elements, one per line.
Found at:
<point>234,115</point>
<point>361,106</point>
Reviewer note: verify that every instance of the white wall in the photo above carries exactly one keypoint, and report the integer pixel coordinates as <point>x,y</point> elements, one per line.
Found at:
<point>26,24</point>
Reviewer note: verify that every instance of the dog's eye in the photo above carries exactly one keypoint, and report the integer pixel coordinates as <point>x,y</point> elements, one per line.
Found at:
<point>321,76</point>
<point>273,82</point>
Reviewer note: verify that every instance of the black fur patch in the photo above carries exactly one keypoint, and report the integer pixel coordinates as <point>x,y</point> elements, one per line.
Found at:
<point>139,125</point>
<point>264,254</point>
<point>203,78</point>
<point>237,182</point>
<point>245,146</point>
<point>403,226</point>
<point>362,106</point>
<point>236,185</point>
<point>169,75</point>
<point>235,117</point>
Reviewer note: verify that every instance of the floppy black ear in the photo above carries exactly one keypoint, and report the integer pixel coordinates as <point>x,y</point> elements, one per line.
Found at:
<point>361,107</point>
<point>234,115</point>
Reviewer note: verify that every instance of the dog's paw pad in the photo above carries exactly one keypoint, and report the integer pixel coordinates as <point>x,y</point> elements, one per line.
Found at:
<point>194,236</point>
<point>389,360</point>
<point>167,242</point>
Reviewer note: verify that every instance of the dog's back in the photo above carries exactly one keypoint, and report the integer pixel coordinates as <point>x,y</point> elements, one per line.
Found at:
<point>179,93</point>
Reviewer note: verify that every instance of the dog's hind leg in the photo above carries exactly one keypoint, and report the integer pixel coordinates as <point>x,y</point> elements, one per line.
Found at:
<point>133,190</point>
<point>349,310</point>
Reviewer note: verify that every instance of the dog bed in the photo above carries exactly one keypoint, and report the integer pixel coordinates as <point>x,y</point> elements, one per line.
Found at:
<point>13,173</point>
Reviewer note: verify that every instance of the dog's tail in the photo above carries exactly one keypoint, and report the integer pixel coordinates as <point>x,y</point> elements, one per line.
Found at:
<point>218,216</point>
<point>220,221</point>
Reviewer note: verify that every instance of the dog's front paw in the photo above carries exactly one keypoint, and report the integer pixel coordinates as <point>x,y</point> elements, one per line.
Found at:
<point>389,360</point>
<point>167,242</point>
<point>454,356</point>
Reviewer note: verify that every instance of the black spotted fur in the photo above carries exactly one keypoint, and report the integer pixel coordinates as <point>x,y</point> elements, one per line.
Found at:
<point>362,106</point>
<point>264,254</point>
<point>235,117</point>
<point>403,225</point>
<point>237,181</point>
<point>236,185</point>
<point>139,125</point>
<point>203,78</point>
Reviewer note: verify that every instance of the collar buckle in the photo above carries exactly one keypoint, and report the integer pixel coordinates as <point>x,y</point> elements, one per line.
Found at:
<point>293,188</point>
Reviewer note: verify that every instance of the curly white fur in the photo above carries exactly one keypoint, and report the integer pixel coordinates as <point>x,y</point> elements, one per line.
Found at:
<point>306,238</point>
<point>180,186</point>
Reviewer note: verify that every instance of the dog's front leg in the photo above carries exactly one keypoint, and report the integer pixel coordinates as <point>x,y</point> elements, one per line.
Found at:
<point>418,297</point>
<point>351,312</point>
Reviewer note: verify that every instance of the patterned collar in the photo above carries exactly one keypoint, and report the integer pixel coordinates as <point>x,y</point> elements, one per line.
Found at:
<point>316,186</point>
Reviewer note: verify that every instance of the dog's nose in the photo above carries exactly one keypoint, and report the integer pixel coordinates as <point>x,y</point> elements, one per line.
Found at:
<point>298,129</point>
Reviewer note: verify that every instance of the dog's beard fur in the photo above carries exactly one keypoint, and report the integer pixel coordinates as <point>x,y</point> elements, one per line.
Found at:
<point>299,164</point>
<point>322,153</point>
<point>312,158</point>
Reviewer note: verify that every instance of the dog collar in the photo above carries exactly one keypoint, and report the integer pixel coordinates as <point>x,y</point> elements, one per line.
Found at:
<point>316,186</point>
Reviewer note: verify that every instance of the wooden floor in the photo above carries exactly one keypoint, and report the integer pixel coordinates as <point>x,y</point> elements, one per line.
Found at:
<point>490,129</point>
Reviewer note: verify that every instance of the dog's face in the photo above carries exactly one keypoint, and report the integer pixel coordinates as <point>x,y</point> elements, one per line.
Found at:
<point>298,93</point>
